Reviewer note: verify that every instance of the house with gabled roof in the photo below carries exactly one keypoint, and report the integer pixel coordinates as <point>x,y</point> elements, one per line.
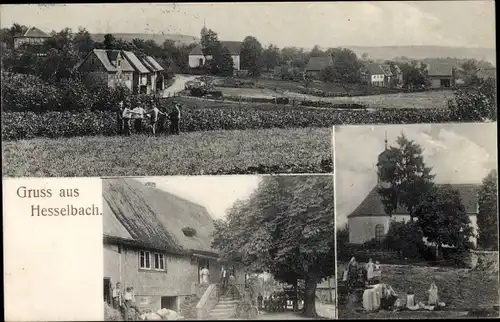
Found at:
<point>102,67</point>
<point>378,75</point>
<point>441,75</point>
<point>157,243</point>
<point>370,221</point>
<point>110,68</point>
<point>316,64</point>
<point>32,36</point>
<point>197,59</point>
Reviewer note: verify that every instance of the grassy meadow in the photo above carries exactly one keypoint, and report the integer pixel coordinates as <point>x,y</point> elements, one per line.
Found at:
<point>195,153</point>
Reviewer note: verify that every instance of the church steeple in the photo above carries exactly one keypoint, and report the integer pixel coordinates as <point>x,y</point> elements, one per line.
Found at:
<point>383,159</point>
<point>204,30</point>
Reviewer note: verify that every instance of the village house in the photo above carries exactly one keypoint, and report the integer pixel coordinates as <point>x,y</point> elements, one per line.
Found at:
<point>111,68</point>
<point>33,36</point>
<point>157,243</point>
<point>370,221</point>
<point>316,64</point>
<point>441,75</point>
<point>197,59</point>
<point>378,75</point>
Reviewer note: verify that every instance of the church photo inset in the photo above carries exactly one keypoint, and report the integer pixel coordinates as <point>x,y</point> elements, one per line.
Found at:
<point>416,221</point>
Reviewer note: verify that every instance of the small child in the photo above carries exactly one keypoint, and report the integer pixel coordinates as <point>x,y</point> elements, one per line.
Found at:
<point>377,273</point>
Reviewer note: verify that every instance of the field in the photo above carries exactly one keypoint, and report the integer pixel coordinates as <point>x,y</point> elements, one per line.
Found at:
<point>429,99</point>
<point>462,290</point>
<point>211,152</point>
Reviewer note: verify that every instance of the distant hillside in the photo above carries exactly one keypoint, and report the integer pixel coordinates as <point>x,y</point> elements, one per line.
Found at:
<point>422,52</point>
<point>158,38</point>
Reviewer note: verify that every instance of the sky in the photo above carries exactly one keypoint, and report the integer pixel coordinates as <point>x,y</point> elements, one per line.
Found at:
<point>458,153</point>
<point>328,24</point>
<point>216,193</point>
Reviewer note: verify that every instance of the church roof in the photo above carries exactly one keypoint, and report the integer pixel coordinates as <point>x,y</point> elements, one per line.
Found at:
<point>372,205</point>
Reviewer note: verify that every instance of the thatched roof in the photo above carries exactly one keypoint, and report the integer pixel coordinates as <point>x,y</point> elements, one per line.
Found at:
<point>372,205</point>
<point>442,69</point>
<point>153,218</point>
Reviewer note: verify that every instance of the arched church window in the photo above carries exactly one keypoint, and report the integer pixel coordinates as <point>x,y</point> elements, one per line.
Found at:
<point>379,233</point>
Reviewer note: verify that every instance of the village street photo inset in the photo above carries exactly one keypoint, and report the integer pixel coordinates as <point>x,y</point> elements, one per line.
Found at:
<point>219,247</point>
<point>416,221</point>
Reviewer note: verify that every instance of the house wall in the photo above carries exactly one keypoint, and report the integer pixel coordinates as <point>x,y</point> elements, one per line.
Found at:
<point>194,60</point>
<point>96,79</point>
<point>313,73</point>
<point>179,280</point>
<point>378,80</point>
<point>126,79</point>
<point>436,81</point>
<point>362,229</point>
<point>32,41</point>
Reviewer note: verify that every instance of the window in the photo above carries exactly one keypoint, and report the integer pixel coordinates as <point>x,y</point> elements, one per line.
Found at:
<point>144,260</point>
<point>159,261</point>
<point>379,233</point>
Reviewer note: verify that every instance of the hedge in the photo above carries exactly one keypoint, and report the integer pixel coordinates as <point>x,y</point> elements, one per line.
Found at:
<point>25,125</point>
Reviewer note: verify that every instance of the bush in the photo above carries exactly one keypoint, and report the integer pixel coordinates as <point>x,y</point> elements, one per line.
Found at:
<point>23,125</point>
<point>475,104</point>
<point>28,93</point>
<point>21,93</point>
<point>405,238</point>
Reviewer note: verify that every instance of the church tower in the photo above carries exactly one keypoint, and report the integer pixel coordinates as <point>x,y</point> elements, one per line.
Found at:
<point>383,160</point>
<point>204,30</point>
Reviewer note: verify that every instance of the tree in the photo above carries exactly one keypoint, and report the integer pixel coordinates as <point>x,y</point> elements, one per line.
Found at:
<point>487,219</point>
<point>443,220</point>
<point>222,63</point>
<point>209,42</point>
<point>477,103</point>
<point>109,41</point>
<point>7,34</point>
<point>327,74</point>
<point>83,42</point>
<point>346,65</point>
<point>470,69</point>
<point>286,227</point>
<point>414,74</point>
<point>364,56</point>
<point>251,56</point>
<point>408,178</point>
<point>317,52</point>
<point>405,238</point>
<point>271,57</point>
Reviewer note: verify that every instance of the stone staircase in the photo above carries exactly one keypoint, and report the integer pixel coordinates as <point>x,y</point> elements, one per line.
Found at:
<point>225,308</point>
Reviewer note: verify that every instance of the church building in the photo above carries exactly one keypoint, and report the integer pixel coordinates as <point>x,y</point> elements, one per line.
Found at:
<point>197,59</point>
<point>369,220</point>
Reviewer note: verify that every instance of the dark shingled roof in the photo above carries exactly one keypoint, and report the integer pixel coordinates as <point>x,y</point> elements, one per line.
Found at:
<point>154,218</point>
<point>372,205</point>
<point>318,63</point>
<point>375,69</point>
<point>234,48</point>
<point>34,32</point>
<point>107,58</point>
<point>440,70</point>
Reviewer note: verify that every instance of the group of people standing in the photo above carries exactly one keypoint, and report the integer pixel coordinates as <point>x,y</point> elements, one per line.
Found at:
<point>128,115</point>
<point>370,274</point>
<point>124,301</point>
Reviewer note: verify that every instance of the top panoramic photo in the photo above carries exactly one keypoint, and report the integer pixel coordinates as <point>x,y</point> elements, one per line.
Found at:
<point>230,88</point>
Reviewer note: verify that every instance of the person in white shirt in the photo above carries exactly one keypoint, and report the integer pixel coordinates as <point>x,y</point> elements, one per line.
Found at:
<point>154,112</point>
<point>126,115</point>
<point>138,116</point>
<point>205,276</point>
<point>117,296</point>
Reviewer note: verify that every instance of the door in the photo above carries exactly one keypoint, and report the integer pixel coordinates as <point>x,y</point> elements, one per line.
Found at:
<point>169,302</point>
<point>107,290</point>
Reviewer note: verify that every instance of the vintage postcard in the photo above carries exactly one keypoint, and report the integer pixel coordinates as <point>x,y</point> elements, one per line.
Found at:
<point>417,221</point>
